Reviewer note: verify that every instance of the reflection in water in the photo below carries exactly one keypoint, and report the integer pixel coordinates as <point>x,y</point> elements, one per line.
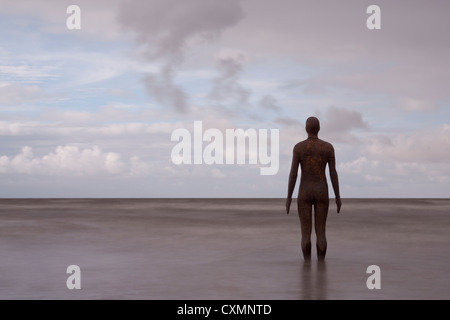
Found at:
<point>321,280</point>
<point>313,281</point>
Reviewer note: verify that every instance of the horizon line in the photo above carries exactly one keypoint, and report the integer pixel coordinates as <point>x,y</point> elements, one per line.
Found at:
<point>209,198</point>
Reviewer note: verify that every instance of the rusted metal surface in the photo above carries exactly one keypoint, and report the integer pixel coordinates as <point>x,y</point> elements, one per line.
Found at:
<point>312,156</point>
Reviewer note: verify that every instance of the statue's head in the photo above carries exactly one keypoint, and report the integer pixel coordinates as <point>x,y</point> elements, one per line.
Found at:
<point>312,125</point>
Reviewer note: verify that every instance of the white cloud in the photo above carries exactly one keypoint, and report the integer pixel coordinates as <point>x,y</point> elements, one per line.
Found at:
<point>16,94</point>
<point>323,47</point>
<point>68,116</point>
<point>4,163</point>
<point>403,165</point>
<point>139,168</point>
<point>16,128</point>
<point>81,125</point>
<point>64,161</point>
<point>426,145</point>
<point>412,104</point>
<point>389,173</point>
<point>330,40</point>
<point>26,73</point>
<point>358,166</point>
<point>88,67</point>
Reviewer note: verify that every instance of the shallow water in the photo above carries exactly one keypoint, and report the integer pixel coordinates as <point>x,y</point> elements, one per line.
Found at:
<point>220,249</point>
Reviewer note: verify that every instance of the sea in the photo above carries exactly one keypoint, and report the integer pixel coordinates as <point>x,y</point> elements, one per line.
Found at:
<point>208,249</point>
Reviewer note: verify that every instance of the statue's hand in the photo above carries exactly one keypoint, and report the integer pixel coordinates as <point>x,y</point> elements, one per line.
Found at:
<point>288,204</point>
<point>339,204</point>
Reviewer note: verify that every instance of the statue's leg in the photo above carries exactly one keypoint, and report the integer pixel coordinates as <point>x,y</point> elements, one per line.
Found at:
<point>305,214</point>
<point>320,221</point>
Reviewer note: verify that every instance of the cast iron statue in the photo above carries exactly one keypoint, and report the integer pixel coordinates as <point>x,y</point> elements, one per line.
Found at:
<point>313,155</point>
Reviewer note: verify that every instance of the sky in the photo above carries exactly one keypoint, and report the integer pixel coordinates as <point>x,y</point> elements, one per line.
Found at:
<point>90,112</point>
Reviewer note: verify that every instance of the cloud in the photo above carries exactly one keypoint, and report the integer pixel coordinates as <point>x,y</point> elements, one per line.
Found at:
<point>405,60</point>
<point>268,102</point>
<point>65,160</point>
<point>358,166</point>
<point>83,125</point>
<point>137,129</point>
<point>16,128</point>
<point>328,38</point>
<point>204,59</point>
<point>431,145</point>
<point>139,168</point>
<point>98,17</point>
<point>393,178</point>
<point>343,120</point>
<point>406,164</point>
<point>412,86</point>
<point>412,104</point>
<point>338,124</point>
<point>226,87</point>
<point>74,161</point>
<point>26,73</point>
<point>165,30</point>
<point>121,93</point>
<point>12,94</point>
<point>162,87</point>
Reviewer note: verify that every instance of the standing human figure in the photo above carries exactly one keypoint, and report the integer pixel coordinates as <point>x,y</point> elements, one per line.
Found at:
<point>313,155</point>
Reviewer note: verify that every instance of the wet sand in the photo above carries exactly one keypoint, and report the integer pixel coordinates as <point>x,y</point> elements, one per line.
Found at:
<point>220,249</point>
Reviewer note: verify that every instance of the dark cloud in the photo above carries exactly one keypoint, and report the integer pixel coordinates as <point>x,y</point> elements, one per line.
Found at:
<point>165,27</point>
<point>268,102</point>
<point>343,120</point>
<point>337,124</point>
<point>162,88</point>
<point>164,30</point>
<point>226,87</point>
<point>406,59</point>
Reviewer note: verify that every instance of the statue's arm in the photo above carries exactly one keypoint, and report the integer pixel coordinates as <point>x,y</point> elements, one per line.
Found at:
<point>334,179</point>
<point>292,179</point>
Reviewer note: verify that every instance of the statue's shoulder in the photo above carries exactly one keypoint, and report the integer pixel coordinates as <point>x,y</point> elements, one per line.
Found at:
<point>300,145</point>
<point>326,144</point>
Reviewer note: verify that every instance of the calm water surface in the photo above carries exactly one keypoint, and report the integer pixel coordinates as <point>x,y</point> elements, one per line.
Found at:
<point>220,249</point>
